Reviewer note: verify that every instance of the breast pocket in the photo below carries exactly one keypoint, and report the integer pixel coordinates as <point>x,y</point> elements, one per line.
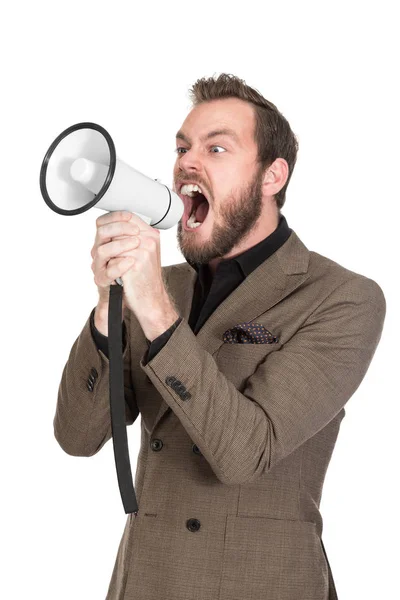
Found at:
<point>239,361</point>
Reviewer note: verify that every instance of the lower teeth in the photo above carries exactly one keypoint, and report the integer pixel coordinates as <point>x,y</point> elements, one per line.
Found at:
<point>192,223</point>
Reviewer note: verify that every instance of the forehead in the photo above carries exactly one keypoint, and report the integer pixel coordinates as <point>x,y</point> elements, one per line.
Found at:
<point>226,113</point>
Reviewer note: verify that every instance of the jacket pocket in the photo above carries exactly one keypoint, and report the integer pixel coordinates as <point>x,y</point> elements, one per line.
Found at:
<point>238,361</point>
<point>272,558</point>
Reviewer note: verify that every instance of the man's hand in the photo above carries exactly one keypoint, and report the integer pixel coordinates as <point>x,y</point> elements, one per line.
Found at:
<point>129,248</point>
<point>113,238</point>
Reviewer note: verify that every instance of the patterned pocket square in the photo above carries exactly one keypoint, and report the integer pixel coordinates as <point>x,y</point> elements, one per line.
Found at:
<point>249,333</point>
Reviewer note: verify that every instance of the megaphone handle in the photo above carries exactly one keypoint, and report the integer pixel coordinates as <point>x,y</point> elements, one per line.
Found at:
<point>147,220</point>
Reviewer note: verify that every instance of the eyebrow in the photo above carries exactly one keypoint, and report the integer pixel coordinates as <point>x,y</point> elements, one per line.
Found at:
<point>181,136</point>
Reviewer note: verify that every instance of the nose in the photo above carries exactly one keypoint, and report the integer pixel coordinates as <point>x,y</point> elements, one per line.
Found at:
<point>189,160</point>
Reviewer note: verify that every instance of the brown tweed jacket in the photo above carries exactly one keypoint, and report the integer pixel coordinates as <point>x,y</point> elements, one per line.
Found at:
<point>232,460</point>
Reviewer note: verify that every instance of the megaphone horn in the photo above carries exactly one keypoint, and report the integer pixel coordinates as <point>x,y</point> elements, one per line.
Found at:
<point>81,170</point>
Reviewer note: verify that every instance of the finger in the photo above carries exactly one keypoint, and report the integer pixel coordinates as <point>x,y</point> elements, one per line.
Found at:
<point>111,217</point>
<point>105,253</point>
<point>101,276</point>
<point>118,267</point>
<point>116,248</point>
<point>95,247</point>
<point>109,231</point>
<point>114,231</point>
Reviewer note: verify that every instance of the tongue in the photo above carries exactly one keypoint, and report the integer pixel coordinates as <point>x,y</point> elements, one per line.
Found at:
<point>201,211</point>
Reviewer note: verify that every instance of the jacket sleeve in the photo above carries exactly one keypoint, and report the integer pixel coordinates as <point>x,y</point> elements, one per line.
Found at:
<point>295,392</point>
<point>82,421</point>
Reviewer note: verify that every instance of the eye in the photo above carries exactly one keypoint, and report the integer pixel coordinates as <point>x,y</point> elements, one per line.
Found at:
<point>181,148</point>
<point>218,147</point>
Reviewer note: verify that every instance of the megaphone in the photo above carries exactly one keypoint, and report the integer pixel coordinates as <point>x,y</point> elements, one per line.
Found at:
<point>80,170</point>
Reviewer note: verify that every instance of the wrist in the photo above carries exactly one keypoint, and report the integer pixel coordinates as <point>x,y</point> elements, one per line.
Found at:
<point>156,322</point>
<point>101,319</point>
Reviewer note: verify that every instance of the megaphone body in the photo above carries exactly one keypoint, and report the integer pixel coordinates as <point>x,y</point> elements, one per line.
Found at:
<point>81,170</point>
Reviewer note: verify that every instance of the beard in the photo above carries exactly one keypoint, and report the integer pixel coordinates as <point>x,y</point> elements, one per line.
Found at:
<point>237,217</point>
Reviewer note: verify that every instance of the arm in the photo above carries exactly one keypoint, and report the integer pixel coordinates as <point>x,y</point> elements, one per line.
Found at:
<point>82,422</point>
<point>293,393</point>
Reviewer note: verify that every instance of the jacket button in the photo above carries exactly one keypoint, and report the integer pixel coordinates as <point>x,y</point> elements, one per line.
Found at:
<point>193,524</point>
<point>170,380</point>
<point>89,385</point>
<point>156,445</point>
<point>94,373</point>
<point>196,449</point>
<point>186,395</point>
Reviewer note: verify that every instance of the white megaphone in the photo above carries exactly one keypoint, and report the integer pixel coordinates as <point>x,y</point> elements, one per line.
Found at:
<point>81,170</point>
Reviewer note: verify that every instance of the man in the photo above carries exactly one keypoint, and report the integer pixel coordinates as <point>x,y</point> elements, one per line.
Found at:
<point>239,360</point>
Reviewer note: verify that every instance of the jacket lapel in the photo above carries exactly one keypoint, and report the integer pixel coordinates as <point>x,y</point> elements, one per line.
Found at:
<point>267,285</point>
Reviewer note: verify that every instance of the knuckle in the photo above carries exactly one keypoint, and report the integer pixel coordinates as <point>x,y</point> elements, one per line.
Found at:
<point>102,232</point>
<point>101,251</point>
<point>129,242</point>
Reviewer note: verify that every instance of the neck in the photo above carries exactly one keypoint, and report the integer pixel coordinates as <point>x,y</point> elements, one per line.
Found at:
<point>256,235</point>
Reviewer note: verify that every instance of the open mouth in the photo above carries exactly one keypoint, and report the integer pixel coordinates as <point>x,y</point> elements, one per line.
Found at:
<point>196,210</point>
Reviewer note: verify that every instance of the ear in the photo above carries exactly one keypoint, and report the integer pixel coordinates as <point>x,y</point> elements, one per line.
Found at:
<point>275,177</point>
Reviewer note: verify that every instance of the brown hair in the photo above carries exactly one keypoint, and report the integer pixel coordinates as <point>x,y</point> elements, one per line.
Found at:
<point>273,135</point>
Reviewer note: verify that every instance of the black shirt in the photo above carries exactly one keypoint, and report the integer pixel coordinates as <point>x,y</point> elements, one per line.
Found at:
<point>210,291</point>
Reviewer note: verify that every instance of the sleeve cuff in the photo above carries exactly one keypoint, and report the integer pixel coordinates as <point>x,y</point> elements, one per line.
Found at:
<point>160,341</point>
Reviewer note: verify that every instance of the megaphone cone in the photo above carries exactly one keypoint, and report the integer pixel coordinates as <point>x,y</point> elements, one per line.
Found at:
<point>81,170</point>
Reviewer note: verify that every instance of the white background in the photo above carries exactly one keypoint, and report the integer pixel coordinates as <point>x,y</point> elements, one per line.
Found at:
<point>332,70</point>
